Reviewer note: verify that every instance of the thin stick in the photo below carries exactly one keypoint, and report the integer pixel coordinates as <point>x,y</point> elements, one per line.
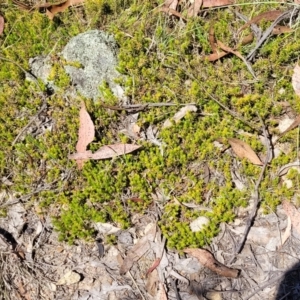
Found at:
<point>134,282</point>
<point>256,194</point>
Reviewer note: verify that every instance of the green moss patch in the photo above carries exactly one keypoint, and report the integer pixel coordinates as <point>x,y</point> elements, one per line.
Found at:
<point>163,60</point>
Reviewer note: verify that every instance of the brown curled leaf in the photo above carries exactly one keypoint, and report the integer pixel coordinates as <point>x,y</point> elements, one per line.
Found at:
<point>154,266</point>
<point>230,50</point>
<point>216,3</point>
<point>60,7</point>
<point>215,56</point>
<point>1,24</point>
<point>267,16</point>
<point>281,29</point>
<point>212,39</point>
<point>207,259</point>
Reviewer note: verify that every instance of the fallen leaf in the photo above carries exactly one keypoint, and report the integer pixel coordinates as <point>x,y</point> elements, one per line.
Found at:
<point>243,150</point>
<point>53,9</point>
<point>86,131</point>
<point>296,80</point>
<point>1,24</point>
<point>207,259</point>
<point>194,8</point>
<point>180,114</point>
<point>151,283</point>
<point>293,213</point>
<point>238,54</point>
<point>81,155</point>
<point>267,16</point>
<point>281,29</point>
<point>110,151</point>
<point>154,266</point>
<point>295,124</point>
<point>215,56</point>
<point>216,3</point>
<point>212,39</point>
<point>171,4</point>
<point>69,278</point>
<point>214,295</point>
<point>162,292</point>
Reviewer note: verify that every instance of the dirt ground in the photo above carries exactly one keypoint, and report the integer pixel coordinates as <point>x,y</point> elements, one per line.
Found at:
<point>35,265</point>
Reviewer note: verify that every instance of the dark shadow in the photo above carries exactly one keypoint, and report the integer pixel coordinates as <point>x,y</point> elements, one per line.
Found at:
<point>8,237</point>
<point>289,288</point>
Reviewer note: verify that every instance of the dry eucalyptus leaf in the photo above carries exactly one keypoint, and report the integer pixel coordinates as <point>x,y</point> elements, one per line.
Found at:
<point>195,8</point>
<point>296,80</point>
<point>1,24</point>
<point>293,213</point>
<point>86,131</point>
<point>60,7</point>
<point>216,3</point>
<point>110,151</point>
<point>207,259</point>
<point>81,155</point>
<point>69,278</point>
<point>243,150</point>
<point>154,266</point>
<point>266,16</point>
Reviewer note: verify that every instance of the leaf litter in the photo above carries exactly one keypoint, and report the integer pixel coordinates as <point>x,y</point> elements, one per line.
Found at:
<point>86,135</point>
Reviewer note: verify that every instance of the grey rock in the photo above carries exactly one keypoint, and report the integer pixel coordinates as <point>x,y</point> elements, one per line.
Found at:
<point>40,67</point>
<point>96,51</point>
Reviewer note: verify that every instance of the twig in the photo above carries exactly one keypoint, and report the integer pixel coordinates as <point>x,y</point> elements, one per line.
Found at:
<point>256,194</point>
<point>137,107</point>
<point>284,16</point>
<point>134,282</point>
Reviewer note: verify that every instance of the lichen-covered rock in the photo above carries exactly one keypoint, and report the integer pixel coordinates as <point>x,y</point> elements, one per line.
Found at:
<point>96,51</point>
<point>40,67</point>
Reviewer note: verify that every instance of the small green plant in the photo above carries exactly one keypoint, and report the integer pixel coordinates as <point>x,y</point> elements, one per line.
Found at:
<point>161,61</point>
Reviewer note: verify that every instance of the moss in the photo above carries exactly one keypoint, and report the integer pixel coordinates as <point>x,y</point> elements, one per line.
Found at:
<point>163,61</point>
